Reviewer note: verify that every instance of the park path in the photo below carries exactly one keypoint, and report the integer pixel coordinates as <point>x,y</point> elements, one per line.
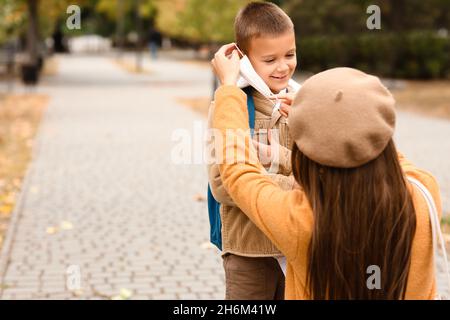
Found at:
<point>104,200</point>
<point>425,141</point>
<point>103,196</point>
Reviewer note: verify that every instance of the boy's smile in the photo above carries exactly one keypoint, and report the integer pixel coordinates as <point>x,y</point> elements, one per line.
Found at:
<point>274,59</point>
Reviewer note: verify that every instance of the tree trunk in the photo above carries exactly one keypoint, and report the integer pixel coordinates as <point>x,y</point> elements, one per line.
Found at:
<point>120,25</point>
<point>397,15</point>
<point>139,36</point>
<point>32,36</point>
<point>31,67</point>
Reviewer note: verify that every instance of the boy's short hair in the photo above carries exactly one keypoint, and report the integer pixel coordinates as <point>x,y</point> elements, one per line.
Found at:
<point>258,19</point>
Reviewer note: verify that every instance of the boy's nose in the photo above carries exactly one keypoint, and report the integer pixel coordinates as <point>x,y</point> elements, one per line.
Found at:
<point>282,67</point>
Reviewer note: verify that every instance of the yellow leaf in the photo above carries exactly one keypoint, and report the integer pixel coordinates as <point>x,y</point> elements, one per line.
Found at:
<point>199,197</point>
<point>207,245</point>
<point>78,292</point>
<point>9,198</point>
<point>6,208</point>
<point>66,225</point>
<point>125,293</point>
<point>52,230</point>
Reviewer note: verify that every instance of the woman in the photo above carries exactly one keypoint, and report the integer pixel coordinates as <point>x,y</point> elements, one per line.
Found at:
<point>356,218</point>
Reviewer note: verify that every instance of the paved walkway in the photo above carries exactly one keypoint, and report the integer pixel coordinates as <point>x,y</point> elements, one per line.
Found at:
<point>426,141</point>
<point>105,207</point>
<point>102,166</point>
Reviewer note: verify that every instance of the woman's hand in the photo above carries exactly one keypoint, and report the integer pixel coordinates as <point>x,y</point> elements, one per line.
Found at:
<point>226,64</point>
<point>264,152</point>
<point>296,186</point>
<point>286,102</point>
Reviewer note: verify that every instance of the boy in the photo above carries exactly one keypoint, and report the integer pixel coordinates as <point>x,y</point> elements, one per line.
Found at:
<point>266,35</point>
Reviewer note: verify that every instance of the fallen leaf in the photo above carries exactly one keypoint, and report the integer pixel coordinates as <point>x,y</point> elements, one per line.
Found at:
<point>207,245</point>
<point>66,225</point>
<point>5,286</point>
<point>52,230</point>
<point>20,115</point>
<point>78,292</point>
<point>6,209</point>
<point>8,198</point>
<point>199,197</point>
<point>16,183</point>
<point>125,293</point>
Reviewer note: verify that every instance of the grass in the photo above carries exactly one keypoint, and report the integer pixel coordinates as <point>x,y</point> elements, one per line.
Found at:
<point>430,98</point>
<point>130,66</point>
<point>19,119</point>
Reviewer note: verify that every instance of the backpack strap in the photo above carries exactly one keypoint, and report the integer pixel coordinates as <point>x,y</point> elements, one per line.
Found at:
<point>436,232</point>
<point>215,224</point>
<point>250,108</point>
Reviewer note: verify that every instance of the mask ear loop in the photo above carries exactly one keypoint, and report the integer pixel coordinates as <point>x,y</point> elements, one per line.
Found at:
<point>239,50</point>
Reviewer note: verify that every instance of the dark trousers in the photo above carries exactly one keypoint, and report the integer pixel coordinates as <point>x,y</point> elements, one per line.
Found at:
<point>253,278</point>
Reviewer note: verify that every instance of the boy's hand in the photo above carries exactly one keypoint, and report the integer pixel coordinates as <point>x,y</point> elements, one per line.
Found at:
<point>226,64</point>
<point>267,152</point>
<point>286,102</point>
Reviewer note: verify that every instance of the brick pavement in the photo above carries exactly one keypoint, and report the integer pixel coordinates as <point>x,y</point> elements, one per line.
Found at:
<point>102,166</point>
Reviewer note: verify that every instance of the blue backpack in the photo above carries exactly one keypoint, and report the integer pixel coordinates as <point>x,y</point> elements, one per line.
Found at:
<point>213,206</point>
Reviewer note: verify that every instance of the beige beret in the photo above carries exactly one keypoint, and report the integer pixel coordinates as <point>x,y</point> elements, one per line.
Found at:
<point>342,118</point>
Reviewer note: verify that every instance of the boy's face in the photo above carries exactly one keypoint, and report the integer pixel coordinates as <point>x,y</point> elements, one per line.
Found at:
<point>274,59</point>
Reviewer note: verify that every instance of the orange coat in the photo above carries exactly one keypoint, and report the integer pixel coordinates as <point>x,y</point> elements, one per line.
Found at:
<point>286,217</point>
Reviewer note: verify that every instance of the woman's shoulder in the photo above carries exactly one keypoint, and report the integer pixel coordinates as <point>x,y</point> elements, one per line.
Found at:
<point>424,177</point>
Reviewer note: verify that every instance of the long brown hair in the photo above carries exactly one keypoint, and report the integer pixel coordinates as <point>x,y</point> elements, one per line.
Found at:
<point>363,216</point>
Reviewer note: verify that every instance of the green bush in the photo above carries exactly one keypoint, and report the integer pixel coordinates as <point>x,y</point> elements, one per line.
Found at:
<point>414,55</point>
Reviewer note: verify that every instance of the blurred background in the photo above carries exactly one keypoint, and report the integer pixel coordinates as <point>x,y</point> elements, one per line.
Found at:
<point>94,95</point>
<point>413,42</point>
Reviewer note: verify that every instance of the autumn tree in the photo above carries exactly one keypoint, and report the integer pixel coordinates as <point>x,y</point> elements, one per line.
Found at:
<point>199,21</point>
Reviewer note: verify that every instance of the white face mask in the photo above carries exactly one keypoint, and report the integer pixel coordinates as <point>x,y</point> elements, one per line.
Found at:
<point>250,77</point>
